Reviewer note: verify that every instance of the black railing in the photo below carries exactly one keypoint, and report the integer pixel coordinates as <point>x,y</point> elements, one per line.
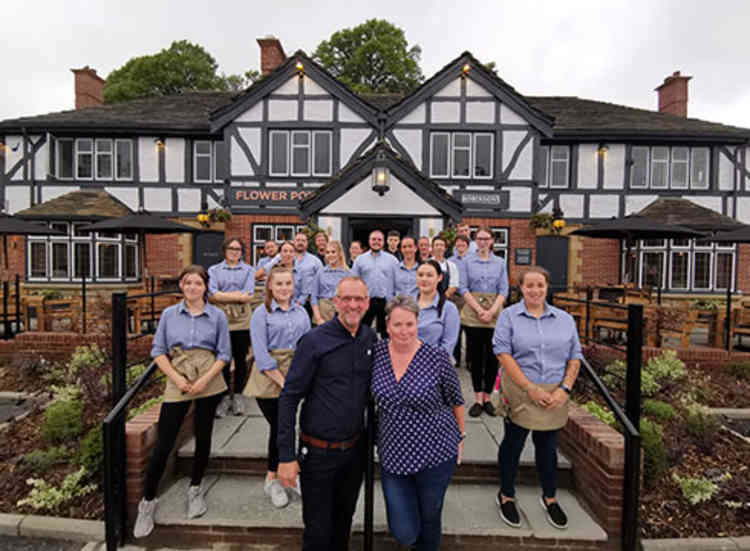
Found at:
<point>8,317</point>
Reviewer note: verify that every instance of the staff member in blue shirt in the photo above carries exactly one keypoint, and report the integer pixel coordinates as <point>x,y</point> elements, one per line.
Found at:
<point>275,328</point>
<point>484,286</point>
<point>307,265</point>
<point>405,272</point>
<point>191,346</point>
<point>270,250</point>
<point>376,267</point>
<point>231,286</point>
<point>538,347</point>
<point>439,322</point>
<point>460,251</point>
<point>326,281</point>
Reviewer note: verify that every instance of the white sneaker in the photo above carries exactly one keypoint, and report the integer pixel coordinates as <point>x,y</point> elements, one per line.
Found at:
<point>196,505</point>
<point>238,405</point>
<point>223,408</point>
<point>144,524</point>
<point>275,491</point>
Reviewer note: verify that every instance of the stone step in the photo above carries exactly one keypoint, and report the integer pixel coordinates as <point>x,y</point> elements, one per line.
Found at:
<point>239,512</point>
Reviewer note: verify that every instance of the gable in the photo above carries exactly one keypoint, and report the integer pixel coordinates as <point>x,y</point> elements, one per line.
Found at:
<point>360,199</point>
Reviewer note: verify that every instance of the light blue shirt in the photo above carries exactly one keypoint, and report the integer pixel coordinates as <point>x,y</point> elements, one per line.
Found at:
<point>208,330</point>
<point>263,263</point>
<point>377,272</point>
<point>484,276</point>
<point>442,331</point>
<point>305,270</point>
<point>405,279</point>
<point>472,247</point>
<point>541,346</point>
<point>326,281</point>
<point>226,278</point>
<point>277,330</point>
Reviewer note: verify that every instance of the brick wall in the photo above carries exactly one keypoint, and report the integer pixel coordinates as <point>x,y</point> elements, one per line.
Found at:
<point>59,346</point>
<point>743,272</point>
<point>599,261</point>
<point>520,235</point>
<point>241,226</point>
<point>165,255</point>
<point>16,258</point>
<point>89,88</point>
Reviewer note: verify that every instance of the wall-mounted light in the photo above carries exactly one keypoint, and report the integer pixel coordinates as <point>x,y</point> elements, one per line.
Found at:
<point>159,143</point>
<point>300,68</point>
<point>3,147</point>
<point>466,68</point>
<point>380,175</point>
<point>602,151</point>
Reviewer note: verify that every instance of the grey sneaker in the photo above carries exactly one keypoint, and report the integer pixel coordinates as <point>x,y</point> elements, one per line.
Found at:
<point>238,405</point>
<point>144,524</point>
<point>223,408</point>
<point>196,504</point>
<point>275,491</point>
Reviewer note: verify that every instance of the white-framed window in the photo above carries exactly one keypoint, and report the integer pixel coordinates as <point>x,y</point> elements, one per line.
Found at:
<point>123,159</point>
<point>89,159</point>
<point>104,159</point>
<point>37,248</point>
<point>662,167</point>
<point>462,155</point>
<point>84,159</point>
<point>500,246</point>
<point>203,168</point>
<point>59,252</point>
<point>275,232</point>
<point>555,166</point>
<point>300,153</point>
<point>639,168</point>
<point>679,168</point>
<point>65,158</point>
<point>699,168</point>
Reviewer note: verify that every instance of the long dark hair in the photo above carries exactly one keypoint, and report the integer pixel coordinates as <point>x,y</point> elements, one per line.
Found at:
<point>439,289</point>
<point>201,272</point>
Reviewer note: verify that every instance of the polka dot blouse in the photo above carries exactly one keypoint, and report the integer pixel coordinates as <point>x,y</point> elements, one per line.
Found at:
<point>417,429</point>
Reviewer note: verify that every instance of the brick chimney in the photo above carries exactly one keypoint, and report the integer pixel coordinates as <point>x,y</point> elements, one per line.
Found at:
<point>89,88</point>
<point>673,95</point>
<point>271,54</point>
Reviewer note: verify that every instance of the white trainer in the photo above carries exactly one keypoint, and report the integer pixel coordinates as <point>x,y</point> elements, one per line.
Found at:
<point>223,408</point>
<point>196,504</point>
<point>275,491</point>
<point>144,524</point>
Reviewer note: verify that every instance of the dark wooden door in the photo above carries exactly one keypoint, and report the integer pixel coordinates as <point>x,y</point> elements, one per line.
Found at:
<point>207,248</point>
<point>552,254</point>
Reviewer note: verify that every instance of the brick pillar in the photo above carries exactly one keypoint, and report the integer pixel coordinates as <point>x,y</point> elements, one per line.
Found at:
<point>271,54</point>
<point>673,95</point>
<point>89,88</point>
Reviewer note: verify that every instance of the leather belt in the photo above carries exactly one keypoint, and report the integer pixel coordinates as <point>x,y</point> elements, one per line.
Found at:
<point>323,444</point>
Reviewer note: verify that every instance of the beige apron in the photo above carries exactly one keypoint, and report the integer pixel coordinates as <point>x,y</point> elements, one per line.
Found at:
<point>524,412</point>
<point>262,386</point>
<point>192,364</point>
<point>327,309</point>
<point>258,296</point>
<point>238,314</point>
<point>469,316</point>
<point>458,300</point>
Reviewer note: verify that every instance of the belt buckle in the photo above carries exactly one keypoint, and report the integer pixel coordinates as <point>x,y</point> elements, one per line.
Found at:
<point>346,445</point>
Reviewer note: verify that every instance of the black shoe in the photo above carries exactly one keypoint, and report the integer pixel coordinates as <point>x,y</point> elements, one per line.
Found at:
<point>508,512</point>
<point>476,410</point>
<point>489,409</point>
<point>555,515</point>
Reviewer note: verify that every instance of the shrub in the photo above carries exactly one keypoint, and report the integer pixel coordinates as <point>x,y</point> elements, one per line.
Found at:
<point>740,370</point>
<point>666,367</point>
<point>701,425</point>
<point>47,497</point>
<point>62,421</point>
<point>662,411</point>
<point>84,357</point>
<point>91,454</point>
<point>615,374</point>
<point>696,490</point>
<point>654,452</point>
<point>144,406</point>
<point>41,460</point>
<point>605,416</point>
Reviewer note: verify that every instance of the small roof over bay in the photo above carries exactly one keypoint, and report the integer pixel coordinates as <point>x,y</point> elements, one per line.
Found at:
<point>78,205</point>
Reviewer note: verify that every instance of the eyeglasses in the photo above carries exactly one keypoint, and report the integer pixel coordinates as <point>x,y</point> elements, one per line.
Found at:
<point>483,238</point>
<point>234,249</point>
<point>352,299</point>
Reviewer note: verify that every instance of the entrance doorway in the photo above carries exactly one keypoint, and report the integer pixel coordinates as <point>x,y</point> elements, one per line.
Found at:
<point>359,228</point>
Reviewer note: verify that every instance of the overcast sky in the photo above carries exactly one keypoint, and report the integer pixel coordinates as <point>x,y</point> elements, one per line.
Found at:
<point>608,51</point>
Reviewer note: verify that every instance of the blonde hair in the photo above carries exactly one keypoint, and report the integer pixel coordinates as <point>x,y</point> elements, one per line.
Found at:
<point>276,270</point>
<point>341,258</point>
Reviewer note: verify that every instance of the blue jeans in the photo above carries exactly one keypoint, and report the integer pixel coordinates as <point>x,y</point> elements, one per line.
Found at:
<point>414,504</point>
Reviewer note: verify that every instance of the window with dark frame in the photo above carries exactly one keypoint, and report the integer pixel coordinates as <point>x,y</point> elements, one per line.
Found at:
<point>462,155</point>
<point>554,163</point>
<point>300,153</point>
<point>276,232</point>
<point>88,159</point>
<point>662,167</point>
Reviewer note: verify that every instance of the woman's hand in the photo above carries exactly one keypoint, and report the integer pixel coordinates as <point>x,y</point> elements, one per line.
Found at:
<point>318,320</point>
<point>557,399</point>
<point>183,384</point>
<point>540,396</point>
<point>198,386</point>
<point>485,316</point>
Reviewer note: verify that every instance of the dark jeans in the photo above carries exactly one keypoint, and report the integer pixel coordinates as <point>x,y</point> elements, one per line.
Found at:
<point>240,345</point>
<point>330,481</point>
<point>414,504</point>
<point>481,358</point>
<point>376,311</point>
<point>270,409</point>
<point>170,420</point>
<point>509,455</point>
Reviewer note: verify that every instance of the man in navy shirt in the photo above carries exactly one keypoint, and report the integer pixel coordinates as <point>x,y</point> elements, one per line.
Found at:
<point>331,371</point>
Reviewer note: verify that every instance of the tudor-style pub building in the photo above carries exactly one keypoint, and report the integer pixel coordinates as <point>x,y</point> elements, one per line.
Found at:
<point>298,145</point>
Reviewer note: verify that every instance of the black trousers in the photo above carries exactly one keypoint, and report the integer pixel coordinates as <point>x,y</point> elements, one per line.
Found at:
<point>376,311</point>
<point>270,409</point>
<point>481,358</point>
<point>170,420</point>
<point>240,345</point>
<point>509,456</point>
<point>330,482</point>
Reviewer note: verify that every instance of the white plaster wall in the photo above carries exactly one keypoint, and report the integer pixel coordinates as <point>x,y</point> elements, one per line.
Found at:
<point>254,114</point>
<point>430,227</point>
<point>604,206</point>
<point>730,207</point>
<point>347,115</point>
<point>312,184</point>
<point>635,203</point>
<point>416,115</point>
<point>480,188</point>
<point>524,168</point>
<point>587,166</point>
<point>17,198</point>
<point>313,88</point>
<point>213,203</point>
<point>476,90</point>
<point>713,203</point>
<point>52,192</point>
<point>480,111</point>
<point>157,199</point>
<point>747,166</point>
<point>13,154</point>
<point>189,199</point>
<point>520,199</point>
<point>743,209</point>
<point>148,159</point>
<point>726,172</point>
<point>446,111</point>
<point>614,167</point>
<point>548,208</point>
<point>318,110</point>
<point>400,200</point>
<point>453,88</point>
<point>508,116</point>
<point>412,142</point>
<point>331,225</point>
<point>511,140</point>
<point>351,138</point>
<point>572,205</point>
<point>41,162</point>
<point>127,195</point>
<point>251,136</point>
<point>291,86</point>
<point>282,110</point>
<point>174,159</point>
<point>239,162</point>
<point>450,189</point>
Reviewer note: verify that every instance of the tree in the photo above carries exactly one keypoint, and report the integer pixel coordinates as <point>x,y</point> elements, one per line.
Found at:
<point>372,57</point>
<point>183,67</point>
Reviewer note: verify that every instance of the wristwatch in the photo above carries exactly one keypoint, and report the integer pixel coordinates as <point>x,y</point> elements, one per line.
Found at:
<point>463,437</point>
<point>565,387</point>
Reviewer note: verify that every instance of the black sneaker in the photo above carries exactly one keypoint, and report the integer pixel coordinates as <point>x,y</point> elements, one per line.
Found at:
<point>508,511</point>
<point>489,409</point>
<point>555,515</point>
<point>476,410</point>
